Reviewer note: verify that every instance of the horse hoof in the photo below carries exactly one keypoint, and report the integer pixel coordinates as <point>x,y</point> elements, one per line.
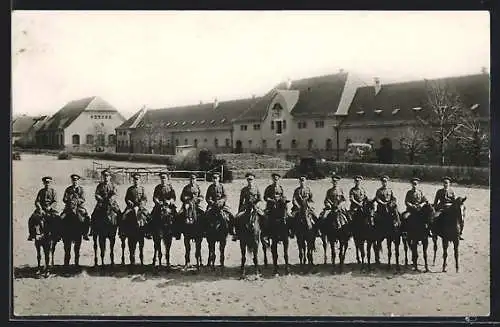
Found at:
<point>426,270</point>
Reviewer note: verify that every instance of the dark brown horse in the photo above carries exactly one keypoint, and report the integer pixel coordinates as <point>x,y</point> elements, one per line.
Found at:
<point>46,238</point>
<point>191,224</point>
<point>132,228</point>
<point>72,228</point>
<point>363,231</point>
<point>448,228</point>
<point>416,231</point>
<point>162,227</point>
<point>216,230</point>
<point>337,227</point>
<point>387,227</point>
<point>278,229</point>
<point>305,231</point>
<point>250,233</point>
<point>105,221</point>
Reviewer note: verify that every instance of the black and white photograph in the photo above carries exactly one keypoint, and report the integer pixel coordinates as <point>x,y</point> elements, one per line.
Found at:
<point>250,163</point>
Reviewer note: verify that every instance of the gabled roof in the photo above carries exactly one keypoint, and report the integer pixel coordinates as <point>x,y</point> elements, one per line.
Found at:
<point>203,116</point>
<point>407,100</point>
<point>257,110</point>
<point>22,124</point>
<point>67,114</point>
<point>132,121</point>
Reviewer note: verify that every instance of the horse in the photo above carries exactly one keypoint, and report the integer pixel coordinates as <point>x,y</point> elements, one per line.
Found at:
<point>105,225</point>
<point>415,231</point>
<point>363,230</point>
<point>388,227</point>
<point>216,229</point>
<point>336,227</point>
<point>278,228</point>
<point>250,234</point>
<point>162,227</point>
<point>305,232</point>
<point>132,228</point>
<point>192,229</point>
<point>448,228</point>
<point>72,227</point>
<point>45,238</point>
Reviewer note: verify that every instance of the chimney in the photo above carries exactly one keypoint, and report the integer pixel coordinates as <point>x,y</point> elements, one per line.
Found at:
<point>216,103</point>
<point>288,84</point>
<point>484,70</point>
<point>376,84</point>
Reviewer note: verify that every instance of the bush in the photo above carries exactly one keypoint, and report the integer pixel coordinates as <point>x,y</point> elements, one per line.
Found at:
<point>63,155</point>
<point>16,156</point>
<point>205,159</point>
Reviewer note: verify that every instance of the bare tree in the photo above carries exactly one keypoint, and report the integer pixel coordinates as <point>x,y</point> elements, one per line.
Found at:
<point>149,129</point>
<point>413,143</point>
<point>446,116</point>
<point>473,138</point>
<point>99,135</point>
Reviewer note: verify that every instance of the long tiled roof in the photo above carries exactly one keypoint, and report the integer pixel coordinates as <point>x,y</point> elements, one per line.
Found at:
<point>201,116</point>
<point>396,101</point>
<point>22,124</point>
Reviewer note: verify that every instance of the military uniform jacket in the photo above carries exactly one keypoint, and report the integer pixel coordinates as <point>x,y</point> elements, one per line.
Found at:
<point>415,197</point>
<point>248,195</point>
<point>105,192</point>
<point>46,198</point>
<point>385,194</point>
<point>74,193</point>
<point>215,193</point>
<point>273,192</point>
<point>190,192</point>
<point>443,197</point>
<point>334,196</point>
<point>357,194</point>
<point>164,192</point>
<point>136,195</point>
<point>300,195</point>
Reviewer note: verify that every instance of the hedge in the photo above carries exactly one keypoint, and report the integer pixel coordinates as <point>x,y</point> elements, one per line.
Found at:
<point>428,173</point>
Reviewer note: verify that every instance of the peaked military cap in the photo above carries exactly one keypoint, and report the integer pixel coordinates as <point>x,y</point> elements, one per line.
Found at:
<point>384,177</point>
<point>249,175</point>
<point>415,179</point>
<point>75,176</point>
<point>275,174</point>
<point>446,178</point>
<point>164,173</point>
<point>136,175</point>
<point>335,177</point>
<point>216,174</point>
<point>302,177</point>
<point>358,177</point>
<point>105,172</point>
<point>192,175</point>
<point>46,178</point>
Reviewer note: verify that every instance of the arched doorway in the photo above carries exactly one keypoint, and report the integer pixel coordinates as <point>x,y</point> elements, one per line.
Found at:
<point>329,144</point>
<point>385,152</point>
<point>239,147</point>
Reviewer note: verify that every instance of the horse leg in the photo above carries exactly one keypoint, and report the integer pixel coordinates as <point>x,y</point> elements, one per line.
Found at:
<point>102,246</point>
<point>243,249</point>
<point>38,255</point>
<point>46,252</point>
<point>52,251</point>
<point>377,246</point>
<point>168,244</point>
<point>435,247</point>
<point>256,260</point>
<point>67,252</point>
<point>264,250</point>
<point>222,253</point>
<point>405,246</point>
<point>198,253</point>
<point>389,252</point>
<point>455,252</point>
<point>397,242</point>
<point>345,245</point>
<point>112,240</point>
<point>122,239</point>
<point>414,254</point>
<point>445,253</point>
<point>76,249</point>
<point>212,256</point>
<point>187,255</point>
<point>369,245</point>
<point>274,251</point>
<point>94,238</point>
<point>141,250</point>
<point>332,247</point>
<point>425,245</point>
<point>155,249</point>
<point>132,243</point>
<point>325,244</point>
<point>285,254</point>
<point>160,254</point>
<point>356,243</point>
<point>310,247</point>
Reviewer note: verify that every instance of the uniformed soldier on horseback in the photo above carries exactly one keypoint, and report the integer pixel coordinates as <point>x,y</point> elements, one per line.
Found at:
<point>74,198</point>
<point>274,193</point>
<point>414,200</point>
<point>386,201</point>
<point>334,199</point>
<point>136,199</point>
<point>105,195</point>
<point>444,199</point>
<point>249,197</point>
<point>357,195</point>
<point>216,197</point>
<point>191,197</point>
<point>302,199</point>
<point>45,203</point>
<point>164,195</point>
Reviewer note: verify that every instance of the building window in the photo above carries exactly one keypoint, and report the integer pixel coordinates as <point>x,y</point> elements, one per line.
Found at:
<point>89,139</point>
<point>302,124</point>
<point>205,141</point>
<point>264,144</point>
<point>216,143</point>
<point>176,142</point>
<point>228,143</point>
<point>294,144</point>
<point>277,110</point>
<point>185,141</point>
<point>310,144</point>
<point>111,139</point>
<point>76,139</point>
<point>278,145</point>
<point>250,143</point>
<point>284,124</point>
<point>101,139</point>
<point>279,127</point>
<point>320,123</point>
<point>272,124</point>
<point>243,127</point>
<point>195,143</point>
<point>329,144</point>
<point>256,127</point>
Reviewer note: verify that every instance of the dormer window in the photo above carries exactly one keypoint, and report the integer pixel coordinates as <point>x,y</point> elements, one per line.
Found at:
<point>378,111</point>
<point>395,111</point>
<point>223,120</point>
<point>193,122</point>
<point>183,123</point>
<point>417,109</point>
<point>474,107</point>
<point>212,121</point>
<point>168,124</point>
<point>277,109</point>
<point>361,112</point>
<point>174,123</point>
<point>202,122</point>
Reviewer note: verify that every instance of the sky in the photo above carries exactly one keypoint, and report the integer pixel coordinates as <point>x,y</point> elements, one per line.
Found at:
<point>162,59</point>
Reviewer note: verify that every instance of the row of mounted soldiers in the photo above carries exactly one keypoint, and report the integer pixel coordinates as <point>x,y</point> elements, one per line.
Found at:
<point>164,193</point>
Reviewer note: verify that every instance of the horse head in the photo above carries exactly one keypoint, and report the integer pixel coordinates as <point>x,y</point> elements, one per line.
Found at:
<point>458,208</point>
<point>166,214</point>
<point>427,211</point>
<point>190,214</point>
<point>369,211</point>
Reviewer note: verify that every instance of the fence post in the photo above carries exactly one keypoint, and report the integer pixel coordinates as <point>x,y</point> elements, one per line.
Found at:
<point>222,172</point>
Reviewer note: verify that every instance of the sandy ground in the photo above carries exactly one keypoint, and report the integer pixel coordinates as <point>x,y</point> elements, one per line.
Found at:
<point>118,291</point>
